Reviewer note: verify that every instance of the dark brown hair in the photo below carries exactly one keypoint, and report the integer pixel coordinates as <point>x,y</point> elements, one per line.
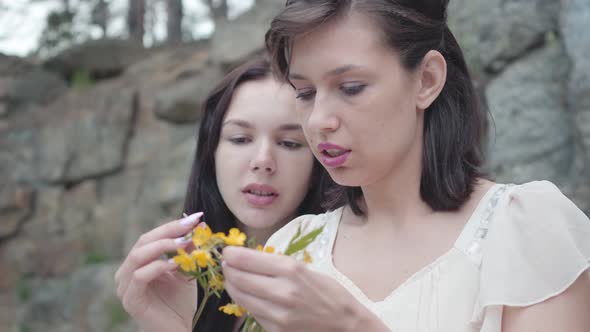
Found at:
<point>455,125</point>
<point>203,193</point>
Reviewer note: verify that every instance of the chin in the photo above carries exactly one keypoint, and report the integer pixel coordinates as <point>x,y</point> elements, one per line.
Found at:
<point>259,219</point>
<point>345,177</point>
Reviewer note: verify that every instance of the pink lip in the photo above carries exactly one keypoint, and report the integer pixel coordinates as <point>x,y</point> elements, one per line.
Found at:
<point>329,161</point>
<point>260,200</point>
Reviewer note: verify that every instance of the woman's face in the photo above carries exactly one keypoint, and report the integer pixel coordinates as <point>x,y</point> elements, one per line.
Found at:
<point>263,163</point>
<point>356,102</point>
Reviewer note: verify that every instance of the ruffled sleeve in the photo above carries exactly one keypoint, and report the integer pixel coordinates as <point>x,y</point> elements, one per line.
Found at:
<point>537,246</point>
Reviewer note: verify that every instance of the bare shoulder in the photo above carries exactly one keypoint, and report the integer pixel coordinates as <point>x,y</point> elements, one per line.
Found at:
<point>567,311</point>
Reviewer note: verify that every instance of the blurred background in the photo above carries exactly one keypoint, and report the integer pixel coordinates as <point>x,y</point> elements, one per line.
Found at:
<point>99,103</point>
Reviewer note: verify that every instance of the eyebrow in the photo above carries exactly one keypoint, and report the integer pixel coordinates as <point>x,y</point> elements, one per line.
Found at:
<point>333,72</point>
<point>239,123</point>
<point>247,125</point>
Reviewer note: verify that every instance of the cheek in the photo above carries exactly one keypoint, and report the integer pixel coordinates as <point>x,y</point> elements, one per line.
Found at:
<point>297,174</point>
<point>229,164</point>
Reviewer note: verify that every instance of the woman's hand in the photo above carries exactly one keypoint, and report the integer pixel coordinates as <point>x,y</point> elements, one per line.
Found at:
<point>284,295</point>
<point>154,294</point>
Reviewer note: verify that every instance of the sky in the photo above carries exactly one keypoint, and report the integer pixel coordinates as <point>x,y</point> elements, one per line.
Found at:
<point>22,21</point>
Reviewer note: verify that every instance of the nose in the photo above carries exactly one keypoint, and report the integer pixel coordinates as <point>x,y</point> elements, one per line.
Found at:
<point>263,159</point>
<point>322,118</point>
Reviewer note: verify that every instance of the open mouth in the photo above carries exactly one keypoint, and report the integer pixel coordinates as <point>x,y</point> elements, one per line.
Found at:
<point>260,193</point>
<point>333,153</point>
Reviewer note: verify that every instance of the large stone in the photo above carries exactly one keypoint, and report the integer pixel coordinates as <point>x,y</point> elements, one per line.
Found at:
<point>533,133</point>
<point>16,206</point>
<point>181,101</point>
<point>100,58</point>
<point>494,32</point>
<point>18,152</point>
<point>84,301</point>
<point>574,20</point>
<point>154,129</point>
<point>23,83</point>
<point>234,41</point>
<point>85,134</point>
<point>9,309</point>
<point>70,228</point>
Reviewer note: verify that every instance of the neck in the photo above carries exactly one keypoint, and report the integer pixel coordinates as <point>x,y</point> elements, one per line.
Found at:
<point>261,235</point>
<point>396,196</point>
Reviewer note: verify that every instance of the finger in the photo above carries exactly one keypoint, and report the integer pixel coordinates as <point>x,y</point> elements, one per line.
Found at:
<point>171,229</point>
<point>267,325</point>
<point>258,307</point>
<point>143,255</point>
<point>134,297</point>
<point>258,262</point>
<point>261,286</point>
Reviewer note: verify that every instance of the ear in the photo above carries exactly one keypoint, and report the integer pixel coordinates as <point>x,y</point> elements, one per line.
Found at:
<point>433,75</point>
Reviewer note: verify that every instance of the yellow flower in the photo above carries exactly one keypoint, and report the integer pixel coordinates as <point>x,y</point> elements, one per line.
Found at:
<point>233,309</point>
<point>307,257</point>
<point>203,258</point>
<point>201,235</point>
<point>235,238</point>
<point>218,235</point>
<point>185,262</point>
<point>216,282</point>
<point>269,249</point>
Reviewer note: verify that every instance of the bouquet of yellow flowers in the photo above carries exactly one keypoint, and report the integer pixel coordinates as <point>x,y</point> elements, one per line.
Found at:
<point>203,264</point>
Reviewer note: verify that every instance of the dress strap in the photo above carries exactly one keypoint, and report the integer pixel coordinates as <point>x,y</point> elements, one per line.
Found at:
<point>476,230</point>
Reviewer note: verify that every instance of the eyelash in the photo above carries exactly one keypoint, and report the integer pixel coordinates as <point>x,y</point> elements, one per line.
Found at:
<point>240,140</point>
<point>350,91</point>
<point>290,145</point>
<point>305,94</point>
<point>353,90</point>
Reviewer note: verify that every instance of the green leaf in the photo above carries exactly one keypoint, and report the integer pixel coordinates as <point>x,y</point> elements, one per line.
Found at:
<point>251,243</point>
<point>295,236</point>
<point>303,241</point>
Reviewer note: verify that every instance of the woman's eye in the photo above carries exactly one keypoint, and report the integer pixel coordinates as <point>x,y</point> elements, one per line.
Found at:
<point>239,140</point>
<point>305,94</point>
<point>352,90</point>
<point>290,145</point>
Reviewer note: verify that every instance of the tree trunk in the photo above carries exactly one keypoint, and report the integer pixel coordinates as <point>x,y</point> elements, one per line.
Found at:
<point>218,11</point>
<point>135,20</point>
<point>100,16</point>
<point>174,21</point>
<point>66,4</point>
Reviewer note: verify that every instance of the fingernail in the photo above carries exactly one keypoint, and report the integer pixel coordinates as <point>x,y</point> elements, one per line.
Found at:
<point>183,240</point>
<point>202,225</point>
<point>190,220</point>
<point>171,261</point>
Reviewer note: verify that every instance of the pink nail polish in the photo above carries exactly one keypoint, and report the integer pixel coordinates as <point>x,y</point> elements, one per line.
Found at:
<point>192,219</point>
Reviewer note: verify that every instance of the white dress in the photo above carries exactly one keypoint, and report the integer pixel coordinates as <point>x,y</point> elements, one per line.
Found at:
<point>522,245</point>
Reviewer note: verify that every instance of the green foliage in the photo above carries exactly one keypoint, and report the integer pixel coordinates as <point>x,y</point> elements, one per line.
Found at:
<point>22,289</point>
<point>117,314</point>
<point>58,33</point>
<point>95,258</point>
<point>82,79</point>
<point>24,328</point>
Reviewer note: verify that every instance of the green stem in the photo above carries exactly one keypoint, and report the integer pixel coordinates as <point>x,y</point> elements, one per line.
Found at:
<point>201,306</point>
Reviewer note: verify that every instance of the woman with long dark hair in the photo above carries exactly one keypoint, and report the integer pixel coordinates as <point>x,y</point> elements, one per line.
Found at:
<point>252,169</point>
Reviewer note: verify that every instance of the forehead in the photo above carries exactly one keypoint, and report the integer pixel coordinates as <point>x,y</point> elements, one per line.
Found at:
<point>351,39</point>
<point>265,101</point>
